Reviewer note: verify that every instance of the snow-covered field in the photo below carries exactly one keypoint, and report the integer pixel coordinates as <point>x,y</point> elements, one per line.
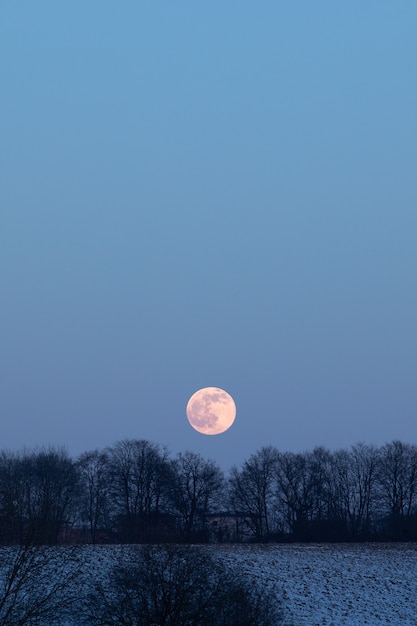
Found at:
<point>318,585</point>
<point>337,584</point>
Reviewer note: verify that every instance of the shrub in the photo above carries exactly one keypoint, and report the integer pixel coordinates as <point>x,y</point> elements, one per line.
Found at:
<point>178,586</point>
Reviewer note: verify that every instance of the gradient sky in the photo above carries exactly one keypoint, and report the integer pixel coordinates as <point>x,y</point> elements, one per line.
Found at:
<point>208,194</point>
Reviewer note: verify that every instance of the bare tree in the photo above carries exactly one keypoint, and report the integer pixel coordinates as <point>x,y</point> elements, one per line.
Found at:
<point>35,584</point>
<point>354,490</point>
<point>11,498</point>
<point>179,586</point>
<point>252,491</point>
<point>397,480</point>
<point>295,490</point>
<point>195,487</point>
<point>48,484</point>
<point>138,474</point>
<point>94,497</point>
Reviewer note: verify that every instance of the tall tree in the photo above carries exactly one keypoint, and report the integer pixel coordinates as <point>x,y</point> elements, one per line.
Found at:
<point>11,498</point>
<point>295,490</point>
<point>397,480</point>
<point>138,473</point>
<point>196,486</point>
<point>252,490</point>
<point>354,482</point>
<point>94,497</point>
<point>50,481</point>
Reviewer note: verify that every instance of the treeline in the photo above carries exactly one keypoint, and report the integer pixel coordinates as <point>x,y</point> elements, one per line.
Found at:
<point>135,492</point>
<point>361,494</point>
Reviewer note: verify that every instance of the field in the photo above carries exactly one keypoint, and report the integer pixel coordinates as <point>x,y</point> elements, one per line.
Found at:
<point>337,584</point>
<point>318,585</point>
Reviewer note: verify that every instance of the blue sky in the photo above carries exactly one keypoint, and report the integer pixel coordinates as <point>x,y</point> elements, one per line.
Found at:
<point>208,194</point>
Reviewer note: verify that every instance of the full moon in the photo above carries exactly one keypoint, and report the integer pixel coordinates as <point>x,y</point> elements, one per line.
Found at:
<point>211,411</point>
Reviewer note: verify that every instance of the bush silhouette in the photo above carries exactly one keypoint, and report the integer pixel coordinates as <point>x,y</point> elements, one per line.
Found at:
<point>179,586</point>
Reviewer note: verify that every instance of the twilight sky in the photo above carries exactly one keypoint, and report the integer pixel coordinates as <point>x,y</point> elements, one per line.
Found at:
<point>208,194</point>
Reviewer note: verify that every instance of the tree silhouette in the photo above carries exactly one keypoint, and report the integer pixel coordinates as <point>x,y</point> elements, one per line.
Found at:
<point>179,586</point>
